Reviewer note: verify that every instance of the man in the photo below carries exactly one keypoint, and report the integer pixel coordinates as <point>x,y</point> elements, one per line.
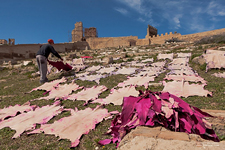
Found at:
<point>42,56</point>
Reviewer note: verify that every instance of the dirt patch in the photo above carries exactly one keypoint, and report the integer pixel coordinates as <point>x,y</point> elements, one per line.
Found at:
<point>8,86</point>
<point>3,80</point>
<point>4,96</point>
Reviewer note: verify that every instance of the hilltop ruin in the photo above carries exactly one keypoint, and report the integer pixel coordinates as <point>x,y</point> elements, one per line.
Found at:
<point>152,37</point>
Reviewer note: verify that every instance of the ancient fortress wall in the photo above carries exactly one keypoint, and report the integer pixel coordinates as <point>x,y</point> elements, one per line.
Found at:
<point>18,51</point>
<point>26,51</point>
<point>97,43</point>
<point>143,42</point>
<point>160,39</point>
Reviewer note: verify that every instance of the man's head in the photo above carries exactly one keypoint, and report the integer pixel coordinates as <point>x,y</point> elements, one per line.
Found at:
<point>50,41</point>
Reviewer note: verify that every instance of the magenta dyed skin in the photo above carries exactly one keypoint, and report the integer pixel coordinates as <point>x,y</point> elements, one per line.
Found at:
<point>158,108</point>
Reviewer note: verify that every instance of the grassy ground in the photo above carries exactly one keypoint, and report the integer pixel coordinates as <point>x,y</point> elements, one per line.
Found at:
<point>14,83</point>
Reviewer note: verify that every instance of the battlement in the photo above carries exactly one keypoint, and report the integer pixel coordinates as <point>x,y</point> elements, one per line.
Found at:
<point>163,35</point>
<point>160,39</point>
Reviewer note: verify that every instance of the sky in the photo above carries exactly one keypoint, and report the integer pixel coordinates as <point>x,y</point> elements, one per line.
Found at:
<point>36,21</point>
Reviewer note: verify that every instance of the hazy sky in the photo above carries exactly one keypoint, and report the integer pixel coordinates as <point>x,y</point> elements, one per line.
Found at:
<point>35,21</point>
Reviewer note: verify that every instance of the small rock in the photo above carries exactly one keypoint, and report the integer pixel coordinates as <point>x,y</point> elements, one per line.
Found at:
<point>78,54</point>
<point>36,74</point>
<point>25,63</point>
<point>107,60</point>
<point>130,54</point>
<point>73,55</point>
<point>17,66</point>
<point>198,60</point>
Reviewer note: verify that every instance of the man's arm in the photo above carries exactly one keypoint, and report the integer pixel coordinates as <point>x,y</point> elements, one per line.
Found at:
<point>54,52</point>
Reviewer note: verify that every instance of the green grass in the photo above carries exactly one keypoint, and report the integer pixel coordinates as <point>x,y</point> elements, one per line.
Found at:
<point>17,83</point>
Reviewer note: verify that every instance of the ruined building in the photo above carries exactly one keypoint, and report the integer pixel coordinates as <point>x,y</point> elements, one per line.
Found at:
<point>77,32</point>
<point>94,42</point>
<point>151,31</point>
<point>79,35</point>
<point>90,32</point>
<point>10,42</point>
<point>3,41</point>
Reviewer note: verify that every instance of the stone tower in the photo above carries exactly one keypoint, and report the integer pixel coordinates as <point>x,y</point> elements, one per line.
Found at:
<point>151,31</point>
<point>77,32</point>
<point>90,32</point>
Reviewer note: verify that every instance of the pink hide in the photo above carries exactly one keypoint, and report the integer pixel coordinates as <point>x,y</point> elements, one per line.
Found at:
<point>62,91</point>
<point>93,68</point>
<point>184,89</point>
<point>192,78</point>
<point>48,86</point>
<point>74,126</point>
<point>165,56</point>
<point>106,70</point>
<point>116,96</point>
<point>28,121</point>
<point>13,110</point>
<point>88,93</point>
<point>214,59</point>
<point>220,75</point>
<point>60,65</point>
<point>137,81</point>
<point>95,78</point>
<point>126,71</point>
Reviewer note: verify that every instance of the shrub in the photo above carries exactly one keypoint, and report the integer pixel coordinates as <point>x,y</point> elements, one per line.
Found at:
<point>173,40</point>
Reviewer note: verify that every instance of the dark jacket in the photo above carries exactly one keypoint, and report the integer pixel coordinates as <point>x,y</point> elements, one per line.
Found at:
<point>46,49</point>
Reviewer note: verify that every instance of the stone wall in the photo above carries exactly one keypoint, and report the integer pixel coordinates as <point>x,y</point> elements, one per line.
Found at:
<point>143,42</point>
<point>26,51</point>
<point>160,39</point>
<point>97,43</point>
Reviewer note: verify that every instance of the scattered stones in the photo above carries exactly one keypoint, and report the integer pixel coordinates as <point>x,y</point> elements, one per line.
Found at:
<point>8,86</point>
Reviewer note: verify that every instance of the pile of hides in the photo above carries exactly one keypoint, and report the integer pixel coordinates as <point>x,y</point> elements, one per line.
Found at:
<point>157,108</point>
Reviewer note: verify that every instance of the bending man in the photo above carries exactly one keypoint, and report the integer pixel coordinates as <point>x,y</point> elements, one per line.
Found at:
<point>42,56</point>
